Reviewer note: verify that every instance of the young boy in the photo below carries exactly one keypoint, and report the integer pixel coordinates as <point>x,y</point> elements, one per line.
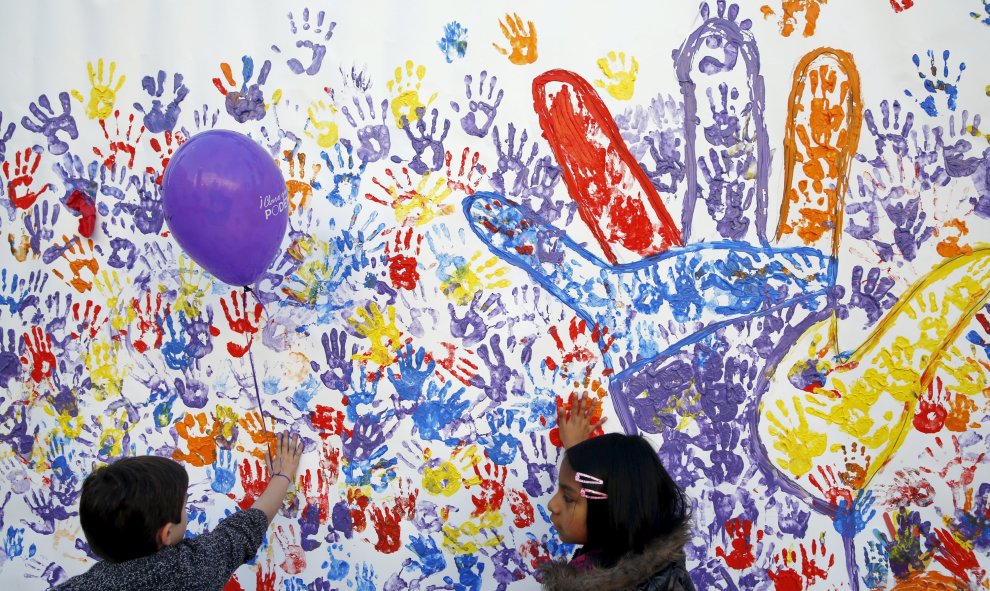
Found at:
<point>133,514</point>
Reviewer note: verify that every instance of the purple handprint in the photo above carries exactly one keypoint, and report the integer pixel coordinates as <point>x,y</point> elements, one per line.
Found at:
<point>873,296</point>
<point>5,137</point>
<point>482,109</point>
<point>541,470</point>
<point>38,225</point>
<point>10,358</point>
<point>48,511</point>
<point>339,364</point>
<point>502,378</point>
<point>479,318</point>
<point>423,141</point>
<point>512,171</point>
<point>148,213</point>
<point>316,44</point>
<point>50,125</point>
<point>159,118</point>
<point>373,134</point>
<point>248,103</point>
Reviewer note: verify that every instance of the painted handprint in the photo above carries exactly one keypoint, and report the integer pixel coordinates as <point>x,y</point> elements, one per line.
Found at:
<point>619,78</point>
<point>405,88</point>
<point>19,179</point>
<point>312,36</point>
<point>454,42</point>
<point>934,84</point>
<point>101,96</point>
<point>51,125</point>
<point>522,40</point>
<point>482,107</point>
<point>246,103</point>
<point>373,135</point>
<point>158,117</point>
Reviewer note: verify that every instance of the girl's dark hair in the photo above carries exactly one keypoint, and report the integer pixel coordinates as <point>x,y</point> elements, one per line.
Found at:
<point>644,503</point>
<point>125,504</point>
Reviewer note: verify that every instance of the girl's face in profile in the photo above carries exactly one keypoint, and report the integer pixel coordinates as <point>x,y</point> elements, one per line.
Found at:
<point>568,509</point>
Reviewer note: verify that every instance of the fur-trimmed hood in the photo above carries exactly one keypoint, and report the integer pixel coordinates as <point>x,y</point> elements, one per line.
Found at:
<point>630,572</point>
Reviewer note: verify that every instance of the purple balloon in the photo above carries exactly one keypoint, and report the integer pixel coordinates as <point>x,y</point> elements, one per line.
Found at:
<point>226,204</point>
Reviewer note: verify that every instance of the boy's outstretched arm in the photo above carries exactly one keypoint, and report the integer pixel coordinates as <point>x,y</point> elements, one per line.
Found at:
<point>284,465</point>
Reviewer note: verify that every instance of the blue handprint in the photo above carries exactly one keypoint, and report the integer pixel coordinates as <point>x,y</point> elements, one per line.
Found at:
<point>500,444</point>
<point>437,415</point>
<point>935,85</point>
<point>159,118</point>
<point>175,349</point>
<point>223,473</point>
<point>48,124</point>
<point>454,41</point>
<point>13,543</point>
<point>414,370</point>
<point>21,293</point>
<point>346,177</point>
<point>429,559</point>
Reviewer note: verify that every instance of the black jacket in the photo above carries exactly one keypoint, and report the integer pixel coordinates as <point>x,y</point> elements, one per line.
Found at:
<point>659,568</point>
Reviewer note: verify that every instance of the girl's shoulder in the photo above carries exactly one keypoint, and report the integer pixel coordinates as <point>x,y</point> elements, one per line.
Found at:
<point>662,562</point>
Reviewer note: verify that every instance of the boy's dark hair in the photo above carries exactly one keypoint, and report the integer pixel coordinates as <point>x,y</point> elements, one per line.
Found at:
<point>644,503</point>
<point>125,504</point>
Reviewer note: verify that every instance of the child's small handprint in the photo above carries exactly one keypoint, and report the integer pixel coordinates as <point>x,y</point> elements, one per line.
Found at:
<point>101,97</point>
<point>522,40</point>
<point>160,118</point>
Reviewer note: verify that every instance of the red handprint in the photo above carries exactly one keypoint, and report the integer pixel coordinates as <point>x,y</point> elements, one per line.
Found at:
<point>402,260</point>
<point>252,481</point>
<point>42,359</point>
<point>317,494</point>
<point>958,559</point>
<point>358,502</point>
<point>149,321</point>
<point>386,522</point>
<point>464,179</point>
<point>241,324</point>
<point>19,184</point>
<point>522,509</point>
<point>741,555</point>
<point>295,556</point>
<point>330,462</point>
<point>458,363</point>
<point>164,151</point>
<point>121,143</point>
<point>327,420</point>
<point>88,322</point>
<point>582,350</point>
<point>829,485</point>
<point>492,485</point>
<point>265,580</point>
<point>931,412</point>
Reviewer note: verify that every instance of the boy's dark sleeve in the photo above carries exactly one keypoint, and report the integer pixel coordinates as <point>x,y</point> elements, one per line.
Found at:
<point>215,555</point>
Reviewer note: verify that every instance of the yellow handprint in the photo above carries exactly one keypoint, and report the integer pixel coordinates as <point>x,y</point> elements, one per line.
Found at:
<point>405,89</point>
<point>384,335</point>
<point>798,444</point>
<point>192,288</point>
<point>619,81</point>
<point>521,38</point>
<point>104,370</point>
<point>115,427</point>
<point>101,96</point>
<point>119,310</point>
<point>415,206</point>
<point>326,131</point>
<point>468,279</point>
<point>311,278</point>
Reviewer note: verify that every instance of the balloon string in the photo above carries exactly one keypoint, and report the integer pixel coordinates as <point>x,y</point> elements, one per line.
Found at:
<point>257,390</point>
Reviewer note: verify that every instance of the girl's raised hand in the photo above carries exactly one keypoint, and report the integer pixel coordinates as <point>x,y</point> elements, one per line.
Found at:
<point>576,423</point>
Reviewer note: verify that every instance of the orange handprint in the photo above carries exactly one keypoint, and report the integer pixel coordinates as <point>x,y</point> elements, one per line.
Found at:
<point>254,425</point>
<point>299,187</point>
<point>83,257</point>
<point>199,436</point>
<point>521,38</point>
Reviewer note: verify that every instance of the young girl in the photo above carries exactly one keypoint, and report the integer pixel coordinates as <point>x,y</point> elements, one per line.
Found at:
<point>617,501</point>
